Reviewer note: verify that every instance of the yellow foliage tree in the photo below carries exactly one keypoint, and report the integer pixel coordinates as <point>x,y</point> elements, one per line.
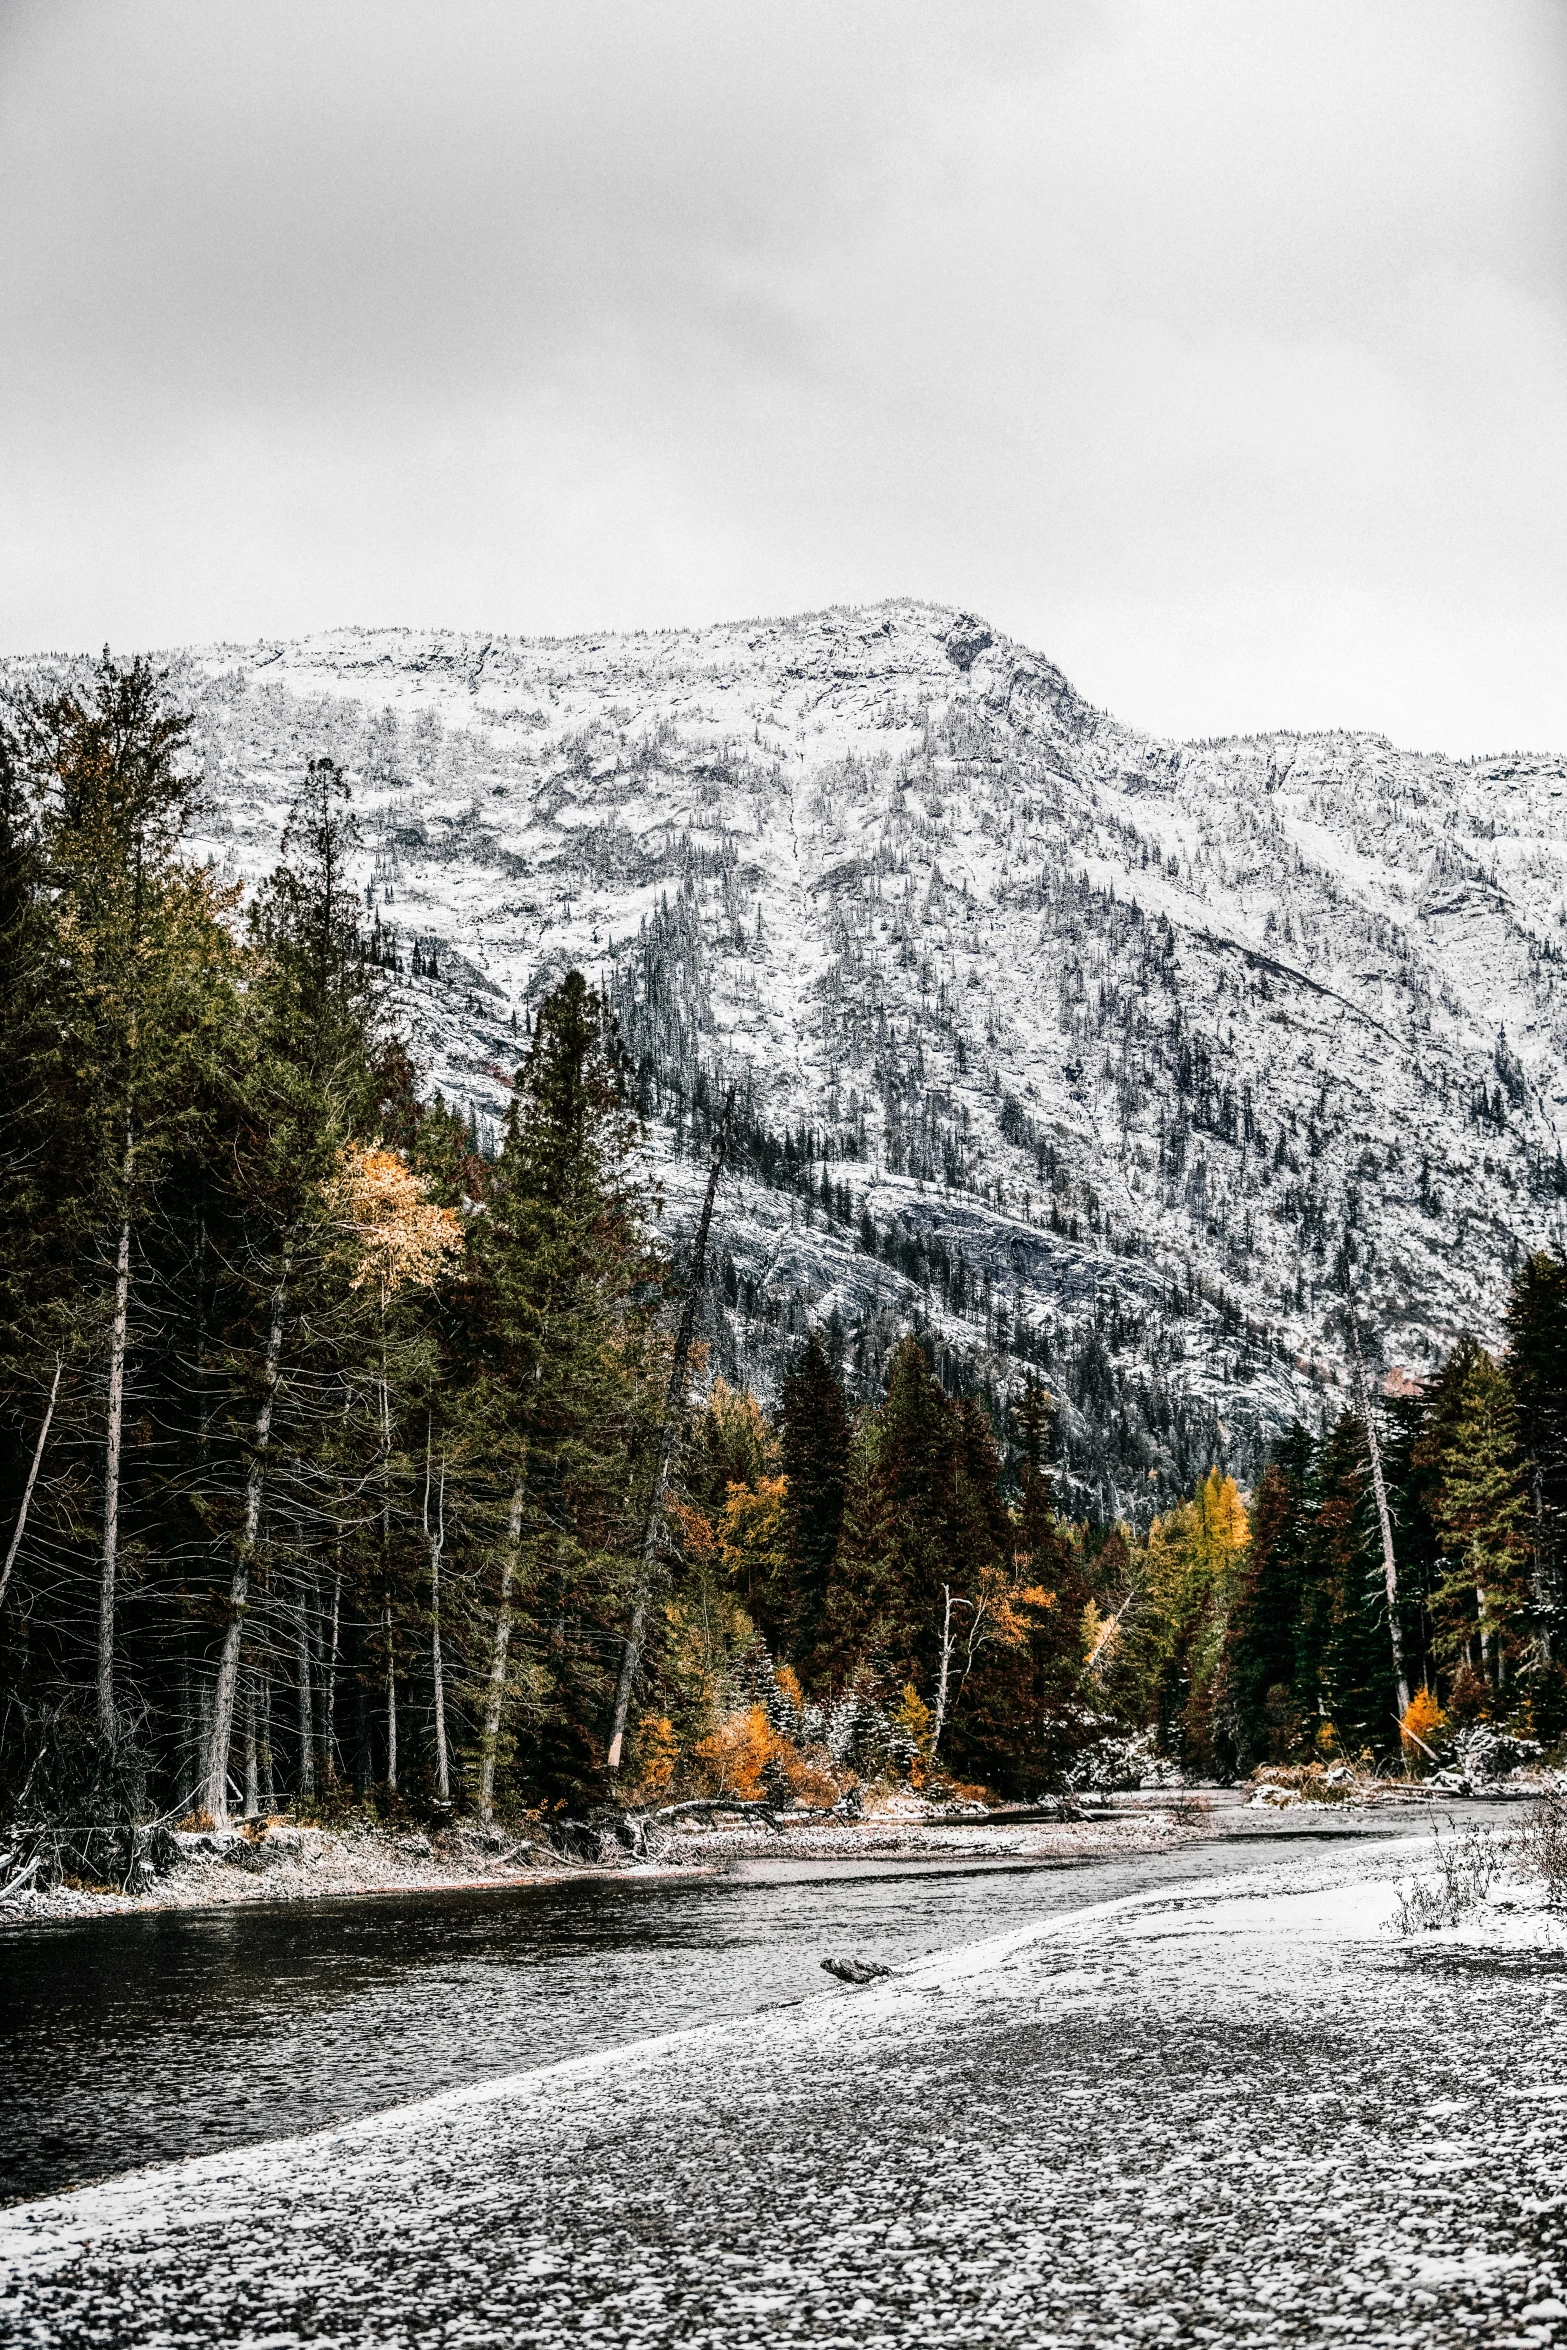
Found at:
<point>1423,1718</point>
<point>706,1629</point>
<point>788,1681</point>
<point>737,1753</point>
<point>738,1750</point>
<point>732,1439</point>
<point>913,1716</point>
<point>657,1751</point>
<point>1195,1557</point>
<point>1196,1548</point>
<point>397,1235</point>
<point>752,1535</point>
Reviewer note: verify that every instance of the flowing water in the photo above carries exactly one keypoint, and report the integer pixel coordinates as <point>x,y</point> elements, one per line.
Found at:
<point>148,2037</point>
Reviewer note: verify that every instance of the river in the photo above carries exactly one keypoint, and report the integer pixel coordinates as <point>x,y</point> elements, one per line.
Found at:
<point>152,2036</point>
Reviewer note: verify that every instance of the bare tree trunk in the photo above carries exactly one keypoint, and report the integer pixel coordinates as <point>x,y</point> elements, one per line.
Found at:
<point>1543,1578</point>
<point>204,1388</point>
<point>222,1725</point>
<point>364,1759</point>
<point>435,1538</point>
<point>391,1696</point>
<point>307,1758</point>
<point>1384,1519</point>
<point>268,1774</point>
<point>668,1436</point>
<point>252,1786</point>
<point>329,1753</point>
<point>495,1694</point>
<point>946,1669</point>
<point>198,1768</point>
<point>113,1437</point>
<point>20,1528</point>
<point>190,1750</point>
<point>386,1560</point>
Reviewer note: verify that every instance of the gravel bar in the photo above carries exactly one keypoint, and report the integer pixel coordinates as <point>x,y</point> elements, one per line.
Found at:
<point>1238,2114</point>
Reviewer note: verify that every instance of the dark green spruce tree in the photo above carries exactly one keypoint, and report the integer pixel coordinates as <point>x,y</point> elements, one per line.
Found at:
<point>1271,1695</point>
<point>1537,1370</point>
<point>815,1453</point>
<point>560,1356</point>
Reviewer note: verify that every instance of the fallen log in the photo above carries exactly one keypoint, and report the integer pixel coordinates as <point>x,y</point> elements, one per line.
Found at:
<point>856,1970</point>
<point>21,1880</point>
<point>552,1854</point>
<point>710,1804</point>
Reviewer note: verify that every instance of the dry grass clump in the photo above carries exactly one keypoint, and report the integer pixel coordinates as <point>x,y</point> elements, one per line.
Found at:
<point>1542,1847</point>
<point>1468,1862</point>
<point>1307,1782</point>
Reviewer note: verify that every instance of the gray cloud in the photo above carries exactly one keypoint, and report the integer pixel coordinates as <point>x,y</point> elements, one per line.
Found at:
<point>1218,350</point>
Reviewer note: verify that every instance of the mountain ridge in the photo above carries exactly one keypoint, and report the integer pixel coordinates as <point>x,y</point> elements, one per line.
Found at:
<point>1083,1051</point>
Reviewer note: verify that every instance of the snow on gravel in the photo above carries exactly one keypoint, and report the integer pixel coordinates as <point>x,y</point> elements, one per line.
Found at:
<point>1212,2117</point>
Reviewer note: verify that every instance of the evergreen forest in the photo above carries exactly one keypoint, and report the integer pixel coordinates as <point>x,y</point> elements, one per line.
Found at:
<point>346,1460</point>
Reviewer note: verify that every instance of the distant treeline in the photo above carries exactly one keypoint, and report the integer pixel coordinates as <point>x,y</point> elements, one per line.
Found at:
<point>1275,1643</point>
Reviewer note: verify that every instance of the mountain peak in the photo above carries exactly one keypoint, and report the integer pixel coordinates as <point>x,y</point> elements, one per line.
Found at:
<point>1090,1056</point>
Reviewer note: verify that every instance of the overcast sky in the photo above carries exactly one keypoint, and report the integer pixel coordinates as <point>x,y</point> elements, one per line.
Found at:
<point>1217,348</point>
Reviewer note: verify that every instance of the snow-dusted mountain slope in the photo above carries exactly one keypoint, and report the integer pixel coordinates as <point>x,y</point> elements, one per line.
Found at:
<point>1102,1044</point>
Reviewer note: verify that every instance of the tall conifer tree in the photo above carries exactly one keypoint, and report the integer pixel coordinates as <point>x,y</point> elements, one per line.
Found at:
<point>560,1295</point>
<point>139,951</point>
<point>814,1459</point>
<point>1537,1371</point>
<point>1479,1505</point>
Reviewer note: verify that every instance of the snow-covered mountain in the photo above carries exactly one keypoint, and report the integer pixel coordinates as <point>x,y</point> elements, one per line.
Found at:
<point>1075,1047</point>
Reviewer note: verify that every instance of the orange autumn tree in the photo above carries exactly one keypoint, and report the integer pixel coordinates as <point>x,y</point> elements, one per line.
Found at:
<point>729,1521</point>
<point>395,1239</point>
<point>394,1233</point>
<point>1195,1557</point>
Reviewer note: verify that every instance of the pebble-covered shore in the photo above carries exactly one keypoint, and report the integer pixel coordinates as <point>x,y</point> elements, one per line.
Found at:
<point>1230,2116</point>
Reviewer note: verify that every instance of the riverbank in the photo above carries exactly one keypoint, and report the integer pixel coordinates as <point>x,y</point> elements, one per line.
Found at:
<point>280,1861</point>
<point>284,1861</point>
<point>1230,2111</point>
<point>153,2036</point>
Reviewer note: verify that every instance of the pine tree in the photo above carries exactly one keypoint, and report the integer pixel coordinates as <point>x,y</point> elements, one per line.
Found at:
<point>925,1591</point>
<point>1537,1372</point>
<point>1346,1663</point>
<point>39,1183</point>
<point>1480,1507</point>
<point>141,965</point>
<point>884,1610</point>
<point>299,1088</point>
<point>1023,1711</point>
<point>1261,1665</point>
<point>560,1353</point>
<point>730,1443</point>
<point>814,1451</point>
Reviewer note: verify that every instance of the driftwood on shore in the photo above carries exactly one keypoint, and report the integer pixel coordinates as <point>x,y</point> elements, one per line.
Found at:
<point>856,1970</point>
<point>631,1827</point>
<point>728,1805</point>
<point>126,1855</point>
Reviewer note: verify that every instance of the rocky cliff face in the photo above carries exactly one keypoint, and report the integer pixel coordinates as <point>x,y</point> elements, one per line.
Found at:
<point>1074,1048</point>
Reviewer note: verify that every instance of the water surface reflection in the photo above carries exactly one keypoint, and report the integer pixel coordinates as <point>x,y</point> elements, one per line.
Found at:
<point>149,2037</point>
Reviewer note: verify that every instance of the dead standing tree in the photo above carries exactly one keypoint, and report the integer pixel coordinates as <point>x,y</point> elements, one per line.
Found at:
<point>670,1431</point>
<point>20,1527</point>
<point>435,1543</point>
<point>1379,1488</point>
